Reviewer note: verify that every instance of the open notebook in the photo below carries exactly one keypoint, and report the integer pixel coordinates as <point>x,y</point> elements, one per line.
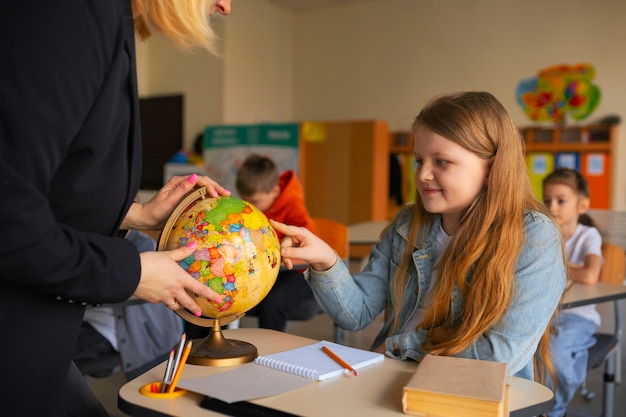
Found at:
<point>311,362</point>
<point>252,380</point>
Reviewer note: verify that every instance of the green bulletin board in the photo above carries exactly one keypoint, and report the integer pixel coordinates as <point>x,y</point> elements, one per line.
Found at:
<point>226,147</point>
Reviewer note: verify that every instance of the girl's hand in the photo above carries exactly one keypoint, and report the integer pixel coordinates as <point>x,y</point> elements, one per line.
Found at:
<point>587,273</point>
<point>153,214</point>
<point>164,281</point>
<point>300,243</point>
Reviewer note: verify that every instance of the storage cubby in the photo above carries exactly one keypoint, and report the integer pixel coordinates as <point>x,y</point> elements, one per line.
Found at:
<point>586,148</point>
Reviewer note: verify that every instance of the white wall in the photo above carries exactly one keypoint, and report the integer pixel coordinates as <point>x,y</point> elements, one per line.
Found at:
<point>251,82</point>
<point>364,59</point>
<point>163,68</point>
<point>383,60</point>
<point>258,75</point>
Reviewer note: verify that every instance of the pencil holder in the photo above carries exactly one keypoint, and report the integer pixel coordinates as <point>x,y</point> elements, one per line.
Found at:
<point>153,390</point>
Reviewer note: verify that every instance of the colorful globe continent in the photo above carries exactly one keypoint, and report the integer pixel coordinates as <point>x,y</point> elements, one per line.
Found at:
<point>237,252</point>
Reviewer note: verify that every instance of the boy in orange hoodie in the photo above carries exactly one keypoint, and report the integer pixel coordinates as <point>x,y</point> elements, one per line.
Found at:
<point>281,198</point>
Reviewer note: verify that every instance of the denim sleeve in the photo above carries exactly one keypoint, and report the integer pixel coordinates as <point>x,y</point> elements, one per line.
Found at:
<point>540,280</point>
<point>352,302</point>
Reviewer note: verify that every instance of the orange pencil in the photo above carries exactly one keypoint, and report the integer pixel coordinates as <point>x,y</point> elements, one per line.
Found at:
<point>338,360</point>
<point>181,365</point>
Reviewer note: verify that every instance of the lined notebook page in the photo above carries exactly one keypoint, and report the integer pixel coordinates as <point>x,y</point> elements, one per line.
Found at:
<point>311,362</point>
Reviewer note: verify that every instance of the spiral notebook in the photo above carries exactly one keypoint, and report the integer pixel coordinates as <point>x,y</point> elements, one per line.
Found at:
<point>311,362</point>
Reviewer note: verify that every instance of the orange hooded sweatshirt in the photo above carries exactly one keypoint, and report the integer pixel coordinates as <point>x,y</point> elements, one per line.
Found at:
<point>289,207</point>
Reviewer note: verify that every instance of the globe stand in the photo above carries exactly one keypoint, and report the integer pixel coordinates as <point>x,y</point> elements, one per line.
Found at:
<point>215,349</point>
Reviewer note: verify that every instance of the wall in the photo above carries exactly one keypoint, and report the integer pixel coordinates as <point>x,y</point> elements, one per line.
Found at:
<point>386,61</point>
<point>258,75</point>
<point>383,60</point>
<point>162,68</point>
<point>251,82</point>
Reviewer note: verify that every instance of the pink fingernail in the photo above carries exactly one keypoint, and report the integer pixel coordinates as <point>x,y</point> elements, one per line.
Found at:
<point>192,245</point>
<point>192,178</point>
<point>197,313</point>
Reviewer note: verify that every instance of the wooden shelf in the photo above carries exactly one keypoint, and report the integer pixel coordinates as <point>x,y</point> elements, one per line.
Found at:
<point>594,145</point>
<point>568,147</point>
<point>578,138</point>
<point>345,171</point>
<point>400,142</point>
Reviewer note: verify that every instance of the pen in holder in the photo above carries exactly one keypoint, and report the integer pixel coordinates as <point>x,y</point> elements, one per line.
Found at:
<point>153,390</point>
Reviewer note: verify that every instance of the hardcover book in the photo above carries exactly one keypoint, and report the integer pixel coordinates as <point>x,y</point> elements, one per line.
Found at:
<point>456,387</point>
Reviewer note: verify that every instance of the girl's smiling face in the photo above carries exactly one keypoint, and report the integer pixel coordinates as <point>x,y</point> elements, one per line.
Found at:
<point>448,177</point>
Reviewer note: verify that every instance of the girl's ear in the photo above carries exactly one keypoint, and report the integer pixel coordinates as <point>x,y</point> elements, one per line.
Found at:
<point>583,205</point>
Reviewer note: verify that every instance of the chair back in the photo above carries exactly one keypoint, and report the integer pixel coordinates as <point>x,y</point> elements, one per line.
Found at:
<point>611,224</point>
<point>335,234</point>
<point>614,264</point>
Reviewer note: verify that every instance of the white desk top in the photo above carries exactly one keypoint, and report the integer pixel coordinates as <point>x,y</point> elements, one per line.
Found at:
<point>366,233</point>
<point>581,294</point>
<point>377,391</point>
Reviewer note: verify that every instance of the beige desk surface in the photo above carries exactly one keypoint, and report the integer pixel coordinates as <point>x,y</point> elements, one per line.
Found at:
<point>366,233</point>
<point>377,391</point>
<point>581,294</point>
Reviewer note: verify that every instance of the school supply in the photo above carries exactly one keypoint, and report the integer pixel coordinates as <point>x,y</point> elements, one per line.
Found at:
<point>179,370</point>
<point>281,372</point>
<point>312,362</point>
<point>457,387</point>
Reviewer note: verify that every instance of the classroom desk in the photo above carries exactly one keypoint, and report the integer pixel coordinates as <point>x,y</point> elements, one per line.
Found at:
<point>601,292</point>
<point>580,294</point>
<point>361,237</point>
<point>366,233</point>
<point>377,391</point>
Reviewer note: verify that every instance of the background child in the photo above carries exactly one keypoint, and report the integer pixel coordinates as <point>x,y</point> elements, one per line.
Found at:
<point>475,268</point>
<point>279,197</point>
<point>566,194</point>
<point>143,333</point>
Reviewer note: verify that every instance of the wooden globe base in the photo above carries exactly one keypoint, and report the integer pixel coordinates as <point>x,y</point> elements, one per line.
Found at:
<point>216,350</point>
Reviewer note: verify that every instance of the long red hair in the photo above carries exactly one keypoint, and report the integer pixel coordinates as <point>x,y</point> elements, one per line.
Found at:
<point>491,233</point>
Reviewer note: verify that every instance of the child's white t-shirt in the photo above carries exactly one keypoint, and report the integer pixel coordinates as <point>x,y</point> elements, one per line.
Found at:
<point>585,241</point>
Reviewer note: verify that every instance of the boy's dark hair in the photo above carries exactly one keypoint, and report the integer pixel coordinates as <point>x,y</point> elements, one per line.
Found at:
<point>577,182</point>
<point>256,174</point>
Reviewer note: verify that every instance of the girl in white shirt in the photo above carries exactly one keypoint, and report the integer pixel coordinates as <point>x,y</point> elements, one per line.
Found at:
<point>566,194</point>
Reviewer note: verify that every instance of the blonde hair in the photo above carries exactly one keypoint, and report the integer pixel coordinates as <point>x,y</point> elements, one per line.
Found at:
<point>491,232</point>
<point>186,22</point>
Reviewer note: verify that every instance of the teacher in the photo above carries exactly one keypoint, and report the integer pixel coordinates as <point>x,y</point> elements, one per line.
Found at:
<point>70,164</point>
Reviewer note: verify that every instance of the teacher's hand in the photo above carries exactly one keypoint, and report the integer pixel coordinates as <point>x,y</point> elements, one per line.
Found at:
<point>153,214</point>
<point>163,280</point>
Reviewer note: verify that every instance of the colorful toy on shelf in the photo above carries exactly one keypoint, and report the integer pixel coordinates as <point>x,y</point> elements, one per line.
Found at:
<point>186,157</point>
<point>557,91</point>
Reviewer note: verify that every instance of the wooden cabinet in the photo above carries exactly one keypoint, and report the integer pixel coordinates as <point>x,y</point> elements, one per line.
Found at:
<point>401,143</point>
<point>344,167</point>
<point>588,149</point>
<point>591,138</point>
<point>401,171</point>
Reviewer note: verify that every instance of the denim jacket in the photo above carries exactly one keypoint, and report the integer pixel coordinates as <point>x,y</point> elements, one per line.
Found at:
<point>353,302</point>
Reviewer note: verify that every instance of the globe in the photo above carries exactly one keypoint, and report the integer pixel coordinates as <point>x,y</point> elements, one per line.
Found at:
<point>237,255</point>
